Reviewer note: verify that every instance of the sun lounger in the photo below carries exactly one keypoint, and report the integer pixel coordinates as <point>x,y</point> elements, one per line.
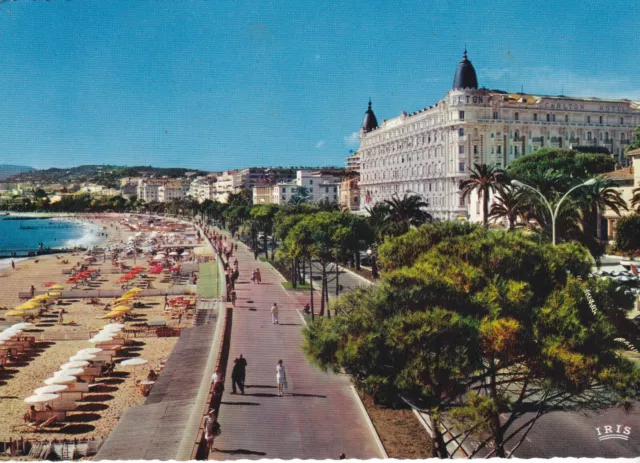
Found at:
<point>71,396</point>
<point>42,416</point>
<point>61,405</point>
<point>77,387</point>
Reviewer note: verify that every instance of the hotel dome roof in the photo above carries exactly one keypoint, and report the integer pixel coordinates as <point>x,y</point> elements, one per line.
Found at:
<point>465,74</point>
<point>370,122</point>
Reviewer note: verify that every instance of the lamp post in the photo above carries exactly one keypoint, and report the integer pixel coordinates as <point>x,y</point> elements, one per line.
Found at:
<point>554,213</point>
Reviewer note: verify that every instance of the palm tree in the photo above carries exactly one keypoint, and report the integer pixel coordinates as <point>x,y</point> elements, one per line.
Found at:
<point>511,205</point>
<point>635,201</point>
<point>404,213</point>
<point>596,198</point>
<point>484,179</point>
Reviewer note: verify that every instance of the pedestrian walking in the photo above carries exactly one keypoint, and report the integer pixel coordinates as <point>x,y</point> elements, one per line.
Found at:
<point>180,318</point>
<point>32,291</point>
<point>13,265</point>
<point>236,377</point>
<point>233,297</point>
<point>211,428</point>
<point>258,276</point>
<point>243,370</point>
<point>61,317</point>
<point>236,246</point>
<point>253,277</point>
<point>274,314</point>
<point>281,378</point>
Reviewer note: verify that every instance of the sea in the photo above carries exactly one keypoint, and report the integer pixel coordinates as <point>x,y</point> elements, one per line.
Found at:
<point>26,232</point>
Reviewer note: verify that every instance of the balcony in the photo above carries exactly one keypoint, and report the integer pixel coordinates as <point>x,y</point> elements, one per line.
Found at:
<point>556,140</point>
<point>574,140</point>
<point>538,139</point>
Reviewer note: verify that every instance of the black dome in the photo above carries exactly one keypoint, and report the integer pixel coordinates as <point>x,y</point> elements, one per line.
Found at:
<point>370,122</point>
<point>465,74</point>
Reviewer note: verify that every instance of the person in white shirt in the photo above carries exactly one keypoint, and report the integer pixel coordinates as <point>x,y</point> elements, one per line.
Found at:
<point>274,314</point>
<point>281,378</point>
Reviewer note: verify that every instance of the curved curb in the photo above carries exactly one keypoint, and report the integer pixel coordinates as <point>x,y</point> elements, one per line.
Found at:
<point>372,428</point>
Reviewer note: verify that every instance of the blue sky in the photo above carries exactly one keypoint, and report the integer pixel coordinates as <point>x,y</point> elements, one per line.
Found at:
<point>215,84</point>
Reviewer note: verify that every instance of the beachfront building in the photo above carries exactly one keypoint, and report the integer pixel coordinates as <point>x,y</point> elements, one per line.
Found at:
<point>148,189</point>
<point>349,194</point>
<point>625,180</point>
<point>431,150</point>
<point>353,162</point>
<point>203,188</point>
<point>173,190</point>
<point>262,194</point>
<point>317,186</point>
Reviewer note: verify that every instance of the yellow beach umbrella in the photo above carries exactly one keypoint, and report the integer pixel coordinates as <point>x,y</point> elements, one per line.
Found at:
<point>134,291</point>
<point>122,308</point>
<point>28,305</point>
<point>113,315</point>
<point>122,301</point>
<point>55,294</point>
<point>127,295</point>
<point>42,297</point>
<point>57,287</point>
<point>15,313</point>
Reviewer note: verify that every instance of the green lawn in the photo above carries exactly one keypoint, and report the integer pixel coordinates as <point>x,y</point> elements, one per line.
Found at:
<point>300,286</point>
<point>208,280</point>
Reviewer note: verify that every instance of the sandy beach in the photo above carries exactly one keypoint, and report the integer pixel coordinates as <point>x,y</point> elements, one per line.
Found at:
<point>98,412</point>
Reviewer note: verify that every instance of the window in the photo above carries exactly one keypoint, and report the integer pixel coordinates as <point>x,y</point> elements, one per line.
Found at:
<point>566,118</point>
<point>475,149</point>
<point>326,190</point>
<point>335,189</point>
<point>516,151</point>
<point>495,114</point>
<point>601,119</point>
<point>535,116</point>
<point>589,135</point>
<point>588,119</point>
<point>461,132</point>
<point>284,190</point>
<point>621,120</point>
<point>461,115</point>
<point>461,165</point>
<point>548,117</point>
<point>461,149</point>
<point>516,116</point>
<point>553,117</point>
<point>499,149</point>
<point>491,136</point>
<point>310,182</point>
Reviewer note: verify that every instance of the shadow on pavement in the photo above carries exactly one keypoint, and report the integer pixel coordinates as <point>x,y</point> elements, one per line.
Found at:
<point>240,452</point>
<point>260,385</point>
<point>239,403</point>
<point>307,395</point>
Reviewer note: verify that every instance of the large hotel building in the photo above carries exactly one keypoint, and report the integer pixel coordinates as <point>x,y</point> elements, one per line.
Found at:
<point>429,151</point>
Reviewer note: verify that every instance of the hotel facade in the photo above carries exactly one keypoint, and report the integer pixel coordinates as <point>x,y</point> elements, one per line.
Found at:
<point>430,151</point>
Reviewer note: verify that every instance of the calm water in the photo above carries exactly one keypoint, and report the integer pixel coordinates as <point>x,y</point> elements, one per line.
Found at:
<point>75,233</point>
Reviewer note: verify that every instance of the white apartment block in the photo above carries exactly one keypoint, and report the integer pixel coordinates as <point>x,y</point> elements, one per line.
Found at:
<point>171,191</point>
<point>203,188</point>
<point>319,187</point>
<point>430,151</point>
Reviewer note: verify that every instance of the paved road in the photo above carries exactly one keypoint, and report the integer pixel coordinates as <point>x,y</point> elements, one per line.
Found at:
<point>348,281</point>
<point>318,417</point>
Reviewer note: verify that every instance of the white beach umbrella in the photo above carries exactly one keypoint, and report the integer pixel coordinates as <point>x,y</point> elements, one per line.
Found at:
<point>90,350</point>
<point>81,357</point>
<point>173,253</point>
<point>21,325</point>
<point>186,253</point>
<point>53,388</point>
<point>134,362</point>
<point>41,398</point>
<point>113,325</point>
<point>61,380</point>
<point>158,257</point>
<point>110,331</point>
<point>68,372</point>
<point>75,364</point>
<point>101,337</point>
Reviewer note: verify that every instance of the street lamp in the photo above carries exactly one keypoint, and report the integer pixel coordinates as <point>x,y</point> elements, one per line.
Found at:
<point>554,213</point>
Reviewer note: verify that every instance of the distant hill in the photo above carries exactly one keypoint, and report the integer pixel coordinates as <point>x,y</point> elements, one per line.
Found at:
<point>7,170</point>
<point>106,175</point>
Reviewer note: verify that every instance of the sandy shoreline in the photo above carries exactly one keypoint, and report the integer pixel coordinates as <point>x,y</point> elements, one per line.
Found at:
<point>98,413</point>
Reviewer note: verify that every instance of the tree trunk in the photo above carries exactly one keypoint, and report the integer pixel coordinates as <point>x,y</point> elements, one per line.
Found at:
<point>293,273</point>
<point>273,247</point>
<point>485,208</point>
<point>438,444</point>
<point>357,253</point>
<point>324,284</point>
<point>326,292</point>
<point>304,271</point>
<point>337,278</point>
<point>266,248</point>
<point>313,316</point>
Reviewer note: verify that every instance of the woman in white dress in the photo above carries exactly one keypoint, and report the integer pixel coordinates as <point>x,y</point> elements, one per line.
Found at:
<point>281,378</point>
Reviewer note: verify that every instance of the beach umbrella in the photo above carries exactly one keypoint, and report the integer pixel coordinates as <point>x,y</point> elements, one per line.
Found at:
<point>122,308</point>
<point>68,372</point>
<point>28,305</point>
<point>49,283</point>
<point>57,287</point>
<point>173,253</point>
<point>109,316</point>
<point>75,363</point>
<point>21,326</point>
<point>42,297</point>
<point>51,389</point>
<point>13,331</point>
<point>111,331</point>
<point>185,253</point>
<point>90,350</point>
<point>41,398</point>
<point>61,379</point>
<point>113,326</point>
<point>55,294</point>
<point>14,313</point>
<point>102,337</point>
<point>158,257</point>
<point>134,362</point>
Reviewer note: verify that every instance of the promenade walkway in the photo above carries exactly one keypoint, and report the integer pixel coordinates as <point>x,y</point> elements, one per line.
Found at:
<point>318,417</point>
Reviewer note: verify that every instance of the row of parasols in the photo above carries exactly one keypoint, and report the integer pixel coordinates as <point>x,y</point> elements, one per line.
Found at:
<point>35,304</point>
<point>63,389</point>
<point>82,276</point>
<point>131,274</point>
<point>124,303</point>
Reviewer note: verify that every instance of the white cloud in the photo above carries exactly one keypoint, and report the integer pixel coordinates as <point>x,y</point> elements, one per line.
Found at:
<point>352,140</point>
<point>320,144</point>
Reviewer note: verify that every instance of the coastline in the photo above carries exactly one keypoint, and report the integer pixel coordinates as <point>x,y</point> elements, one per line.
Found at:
<point>81,318</point>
